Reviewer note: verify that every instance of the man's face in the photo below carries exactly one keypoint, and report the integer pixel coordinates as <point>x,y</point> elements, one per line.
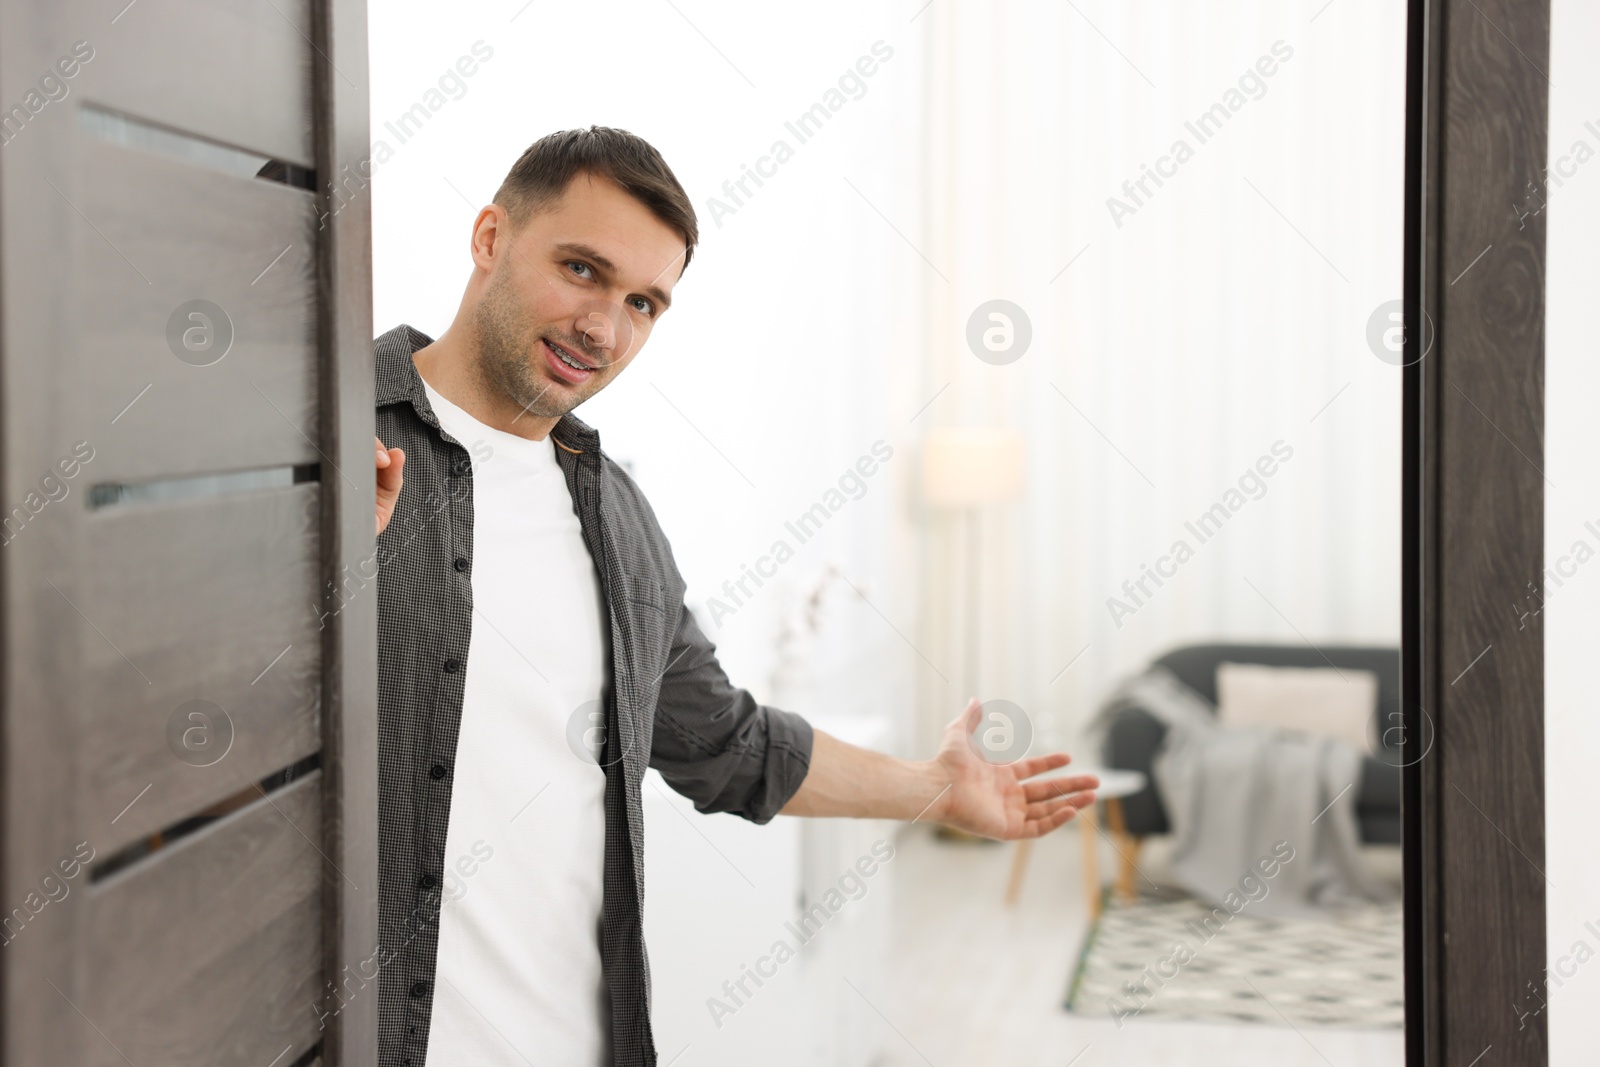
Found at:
<point>571,297</point>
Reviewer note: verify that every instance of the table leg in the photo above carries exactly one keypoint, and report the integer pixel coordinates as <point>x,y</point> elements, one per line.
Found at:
<point>1091,859</point>
<point>1127,851</point>
<point>1127,878</point>
<point>1019,864</point>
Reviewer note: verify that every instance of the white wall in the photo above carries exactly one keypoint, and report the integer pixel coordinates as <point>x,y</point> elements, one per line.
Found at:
<point>1572,618</point>
<point>778,366</point>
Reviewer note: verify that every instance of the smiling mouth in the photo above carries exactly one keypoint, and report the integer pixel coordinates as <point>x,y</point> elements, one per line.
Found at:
<point>565,356</point>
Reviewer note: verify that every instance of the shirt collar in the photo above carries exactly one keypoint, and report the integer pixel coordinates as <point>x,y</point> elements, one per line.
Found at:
<point>396,379</point>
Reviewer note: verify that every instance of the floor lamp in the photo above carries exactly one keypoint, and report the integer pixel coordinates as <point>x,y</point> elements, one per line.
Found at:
<point>969,469</point>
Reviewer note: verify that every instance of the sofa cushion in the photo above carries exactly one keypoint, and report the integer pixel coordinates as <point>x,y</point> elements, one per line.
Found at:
<point>1319,701</point>
<point>1196,667</point>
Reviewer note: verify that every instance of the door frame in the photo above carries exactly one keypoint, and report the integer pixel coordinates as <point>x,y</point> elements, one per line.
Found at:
<point>352,956</point>
<point>1472,678</point>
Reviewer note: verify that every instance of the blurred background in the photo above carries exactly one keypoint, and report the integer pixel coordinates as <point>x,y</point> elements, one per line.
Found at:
<point>982,258</point>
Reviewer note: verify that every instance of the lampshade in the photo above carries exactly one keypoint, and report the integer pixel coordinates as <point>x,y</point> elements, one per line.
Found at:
<point>969,466</point>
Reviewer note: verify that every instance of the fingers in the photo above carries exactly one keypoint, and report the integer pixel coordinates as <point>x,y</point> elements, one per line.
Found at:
<point>1046,823</point>
<point>1039,764</point>
<point>386,456</point>
<point>1060,787</point>
<point>1044,808</point>
<point>391,464</point>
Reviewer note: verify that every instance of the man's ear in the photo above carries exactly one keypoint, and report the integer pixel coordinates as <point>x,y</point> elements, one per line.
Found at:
<point>490,232</point>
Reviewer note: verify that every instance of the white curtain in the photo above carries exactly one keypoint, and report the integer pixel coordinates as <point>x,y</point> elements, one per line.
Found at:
<point>1175,340</point>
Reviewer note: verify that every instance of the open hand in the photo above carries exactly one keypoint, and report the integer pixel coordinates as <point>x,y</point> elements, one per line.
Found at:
<point>390,461</point>
<point>997,800</point>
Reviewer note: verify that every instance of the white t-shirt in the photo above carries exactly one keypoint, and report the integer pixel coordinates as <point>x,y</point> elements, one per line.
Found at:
<point>519,977</point>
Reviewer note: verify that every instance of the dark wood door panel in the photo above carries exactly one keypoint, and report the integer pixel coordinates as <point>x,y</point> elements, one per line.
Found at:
<point>203,667</point>
<point>168,392</point>
<point>234,71</point>
<point>209,952</point>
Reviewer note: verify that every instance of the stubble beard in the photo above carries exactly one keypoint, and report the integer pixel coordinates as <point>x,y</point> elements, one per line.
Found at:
<point>509,350</point>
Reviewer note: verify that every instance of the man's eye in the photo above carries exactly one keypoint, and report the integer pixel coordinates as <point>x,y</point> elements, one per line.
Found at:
<point>647,308</point>
<point>579,265</point>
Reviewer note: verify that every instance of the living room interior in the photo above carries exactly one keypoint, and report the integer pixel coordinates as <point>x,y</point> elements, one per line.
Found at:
<point>1092,413</point>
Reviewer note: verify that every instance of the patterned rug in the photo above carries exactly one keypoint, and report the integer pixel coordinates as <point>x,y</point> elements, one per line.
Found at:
<point>1158,958</point>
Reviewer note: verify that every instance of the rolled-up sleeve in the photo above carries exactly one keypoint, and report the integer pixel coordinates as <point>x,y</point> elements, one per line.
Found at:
<point>715,744</point>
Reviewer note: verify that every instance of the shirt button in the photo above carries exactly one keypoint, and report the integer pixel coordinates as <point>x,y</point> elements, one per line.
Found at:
<point>436,772</point>
<point>419,989</point>
<point>427,881</point>
<point>452,665</point>
<point>461,564</point>
<point>461,466</point>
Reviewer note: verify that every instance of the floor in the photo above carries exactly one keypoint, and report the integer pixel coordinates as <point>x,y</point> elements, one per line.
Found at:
<point>975,983</point>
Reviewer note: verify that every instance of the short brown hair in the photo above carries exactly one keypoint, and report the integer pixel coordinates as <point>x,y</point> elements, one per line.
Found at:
<point>541,174</point>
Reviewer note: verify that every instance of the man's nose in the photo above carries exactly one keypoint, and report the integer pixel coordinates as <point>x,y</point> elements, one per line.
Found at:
<point>598,328</point>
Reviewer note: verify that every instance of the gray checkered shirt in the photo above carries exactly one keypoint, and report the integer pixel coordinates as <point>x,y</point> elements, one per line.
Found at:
<point>669,705</point>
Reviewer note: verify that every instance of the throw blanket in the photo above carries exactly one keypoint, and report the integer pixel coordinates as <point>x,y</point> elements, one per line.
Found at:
<point>1232,794</point>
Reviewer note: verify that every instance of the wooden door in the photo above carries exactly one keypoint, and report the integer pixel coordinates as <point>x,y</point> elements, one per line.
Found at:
<point>188,811</point>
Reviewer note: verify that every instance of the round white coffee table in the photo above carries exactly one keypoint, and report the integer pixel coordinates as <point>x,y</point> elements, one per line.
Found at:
<point>1114,785</point>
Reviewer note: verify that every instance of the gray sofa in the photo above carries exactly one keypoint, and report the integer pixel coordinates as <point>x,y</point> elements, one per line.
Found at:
<point>1135,735</point>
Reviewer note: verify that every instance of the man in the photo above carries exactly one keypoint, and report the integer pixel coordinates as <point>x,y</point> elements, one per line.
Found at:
<point>536,656</point>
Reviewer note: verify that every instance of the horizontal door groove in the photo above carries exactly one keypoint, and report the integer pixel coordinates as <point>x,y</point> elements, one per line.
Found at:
<point>129,855</point>
<point>166,490</point>
<point>130,132</point>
